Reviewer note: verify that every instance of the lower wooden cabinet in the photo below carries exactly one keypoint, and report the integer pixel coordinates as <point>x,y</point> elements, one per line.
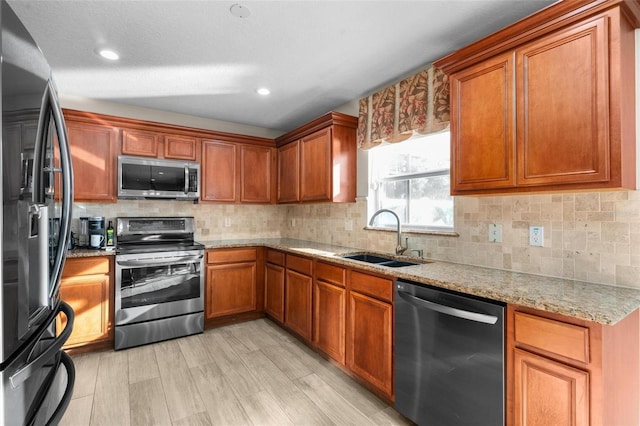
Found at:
<point>298,293</point>
<point>274,285</point>
<point>549,392</point>
<point>86,286</point>
<point>231,282</point>
<point>565,371</point>
<point>329,311</point>
<point>370,340</point>
<point>297,317</point>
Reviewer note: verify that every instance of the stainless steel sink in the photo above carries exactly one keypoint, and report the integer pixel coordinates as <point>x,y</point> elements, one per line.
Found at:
<point>379,260</point>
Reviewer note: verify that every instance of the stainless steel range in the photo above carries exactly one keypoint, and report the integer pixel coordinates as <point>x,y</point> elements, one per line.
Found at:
<point>159,280</point>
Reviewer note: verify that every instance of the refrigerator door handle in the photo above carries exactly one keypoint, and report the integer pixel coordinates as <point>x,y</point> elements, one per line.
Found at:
<point>50,108</point>
<point>25,372</point>
<point>55,418</point>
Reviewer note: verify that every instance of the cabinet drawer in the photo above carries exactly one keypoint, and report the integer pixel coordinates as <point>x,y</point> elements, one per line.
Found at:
<point>381,288</point>
<point>86,266</point>
<point>230,256</point>
<point>300,264</point>
<point>330,273</point>
<point>556,337</point>
<point>274,256</point>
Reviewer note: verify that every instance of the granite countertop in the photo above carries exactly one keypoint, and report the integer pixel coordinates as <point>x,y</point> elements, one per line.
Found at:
<point>85,252</point>
<point>600,303</point>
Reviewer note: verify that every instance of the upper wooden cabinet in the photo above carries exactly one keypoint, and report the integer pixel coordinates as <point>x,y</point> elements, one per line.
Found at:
<point>140,143</point>
<point>233,172</point>
<point>180,147</point>
<point>317,162</point>
<point>149,143</point>
<point>547,103</point>
<point>93,155</point>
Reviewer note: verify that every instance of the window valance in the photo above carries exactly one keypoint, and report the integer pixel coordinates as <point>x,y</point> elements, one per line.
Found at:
<point>418,104</point>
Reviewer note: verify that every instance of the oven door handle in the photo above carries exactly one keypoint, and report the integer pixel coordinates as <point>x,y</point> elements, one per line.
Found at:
<point>164,261</point>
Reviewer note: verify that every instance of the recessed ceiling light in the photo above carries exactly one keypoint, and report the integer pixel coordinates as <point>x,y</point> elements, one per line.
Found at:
<point>263,91</point>
<point>240,11</point>
<point>108,54</point>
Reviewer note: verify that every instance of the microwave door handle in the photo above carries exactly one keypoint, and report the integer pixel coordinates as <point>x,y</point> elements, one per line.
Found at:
<point>186,179</point>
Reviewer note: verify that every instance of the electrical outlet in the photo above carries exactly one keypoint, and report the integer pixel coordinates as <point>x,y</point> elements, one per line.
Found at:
<point>292,223</point>
<point>348,225</point>
<point>536,236</point>
<point>495,233</point>
<point>227,222</point>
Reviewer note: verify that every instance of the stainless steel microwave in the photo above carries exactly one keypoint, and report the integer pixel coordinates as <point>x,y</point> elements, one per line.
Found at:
<point>152,178</point>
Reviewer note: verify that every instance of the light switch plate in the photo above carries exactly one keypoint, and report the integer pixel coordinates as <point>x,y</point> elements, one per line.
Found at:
<point>536,236</point>
<point>348,225</point>
<point>495,233</point>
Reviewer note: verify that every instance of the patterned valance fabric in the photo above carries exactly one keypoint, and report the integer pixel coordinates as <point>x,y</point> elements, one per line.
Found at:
<point>418,104</point>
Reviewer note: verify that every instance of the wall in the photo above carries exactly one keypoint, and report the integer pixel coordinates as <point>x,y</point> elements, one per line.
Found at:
<point>245,221</point>
<point>140,113</point>
<point>592,237</point>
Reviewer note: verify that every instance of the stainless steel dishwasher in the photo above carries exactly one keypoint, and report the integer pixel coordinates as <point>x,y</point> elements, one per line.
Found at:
<point>449,357</point>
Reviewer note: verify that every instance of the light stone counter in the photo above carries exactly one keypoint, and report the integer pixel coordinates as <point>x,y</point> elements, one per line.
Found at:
<point>593,302</point>
<point>82,252</point>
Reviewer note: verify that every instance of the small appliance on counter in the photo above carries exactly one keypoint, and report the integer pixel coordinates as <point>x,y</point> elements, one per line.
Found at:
<point>96,232</point>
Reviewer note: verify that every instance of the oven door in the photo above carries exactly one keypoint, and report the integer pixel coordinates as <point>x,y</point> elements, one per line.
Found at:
<point>152,286</point>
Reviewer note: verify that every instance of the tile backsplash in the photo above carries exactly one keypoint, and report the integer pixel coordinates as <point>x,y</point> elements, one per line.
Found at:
<point>589,236</point>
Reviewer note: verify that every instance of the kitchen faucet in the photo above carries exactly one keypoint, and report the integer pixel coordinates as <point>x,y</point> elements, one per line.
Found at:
<point>400,249</point>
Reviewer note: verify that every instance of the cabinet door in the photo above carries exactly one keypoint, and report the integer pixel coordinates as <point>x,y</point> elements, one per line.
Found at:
<point>289,173</point>
<point>315,166</point>
<point>140,143</point>
<point>482,132</point>
<point>93,154</point>
<point>180,147</point>
<point>230,289</point>
<point>329,303</point>
<point>298,289</point>
<point>563,108</point>
<point>274,291</point>
<point>256,174</point>
<point>369,341</point>
<point>219,171</point>
<point>548,392</point>
<point>88,295</point>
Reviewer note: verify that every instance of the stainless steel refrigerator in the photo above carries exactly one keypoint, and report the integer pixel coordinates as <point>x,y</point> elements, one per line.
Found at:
<point>37,196</point>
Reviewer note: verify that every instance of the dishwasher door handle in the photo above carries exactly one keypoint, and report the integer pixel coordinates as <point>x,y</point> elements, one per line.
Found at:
<point>447,310</point>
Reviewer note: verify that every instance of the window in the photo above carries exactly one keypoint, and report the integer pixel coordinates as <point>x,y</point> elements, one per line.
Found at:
<point>412,179</point>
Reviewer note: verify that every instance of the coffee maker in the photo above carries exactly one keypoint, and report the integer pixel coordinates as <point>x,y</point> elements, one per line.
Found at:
<point>96,232</point>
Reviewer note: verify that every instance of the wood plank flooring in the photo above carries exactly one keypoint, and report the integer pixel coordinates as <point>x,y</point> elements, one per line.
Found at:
<point>253,373</point>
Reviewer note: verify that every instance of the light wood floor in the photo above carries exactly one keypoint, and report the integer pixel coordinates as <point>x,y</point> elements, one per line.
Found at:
<point>241,374</point>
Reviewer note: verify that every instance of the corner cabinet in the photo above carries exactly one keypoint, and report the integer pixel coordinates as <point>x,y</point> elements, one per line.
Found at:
<point>298,293</point>
<point>231,283</point>
<point>86,286</point>
<point>317,162</point>
<point>564,371</point>
<point>238,173</point>
<point>547,103</point>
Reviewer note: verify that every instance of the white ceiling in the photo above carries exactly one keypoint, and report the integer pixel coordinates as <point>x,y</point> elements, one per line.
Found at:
<point>194,57</point>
